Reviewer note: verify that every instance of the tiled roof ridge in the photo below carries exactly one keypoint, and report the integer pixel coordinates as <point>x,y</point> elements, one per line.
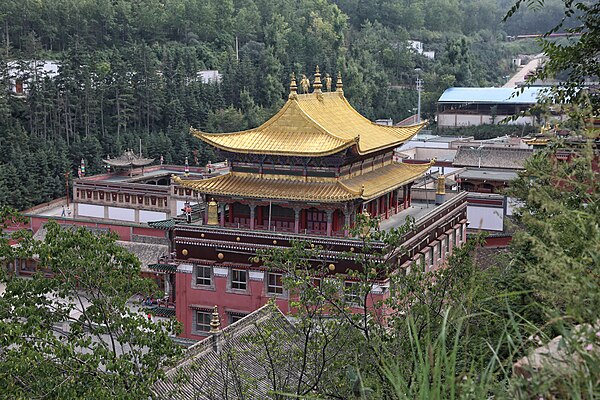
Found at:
<point>263,312</point>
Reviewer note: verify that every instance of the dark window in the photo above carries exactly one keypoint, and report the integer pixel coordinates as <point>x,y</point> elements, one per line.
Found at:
<point>274,283</point>
<point>203,275</point>
<point>239,279</point>
<point>203,321</point>
<point>235,318</point>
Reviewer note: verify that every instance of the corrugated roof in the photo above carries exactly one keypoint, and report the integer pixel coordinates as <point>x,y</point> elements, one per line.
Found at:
<point>491,95</point>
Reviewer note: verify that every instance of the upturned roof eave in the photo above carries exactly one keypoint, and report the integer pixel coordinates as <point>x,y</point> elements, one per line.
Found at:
<point>327,152</point>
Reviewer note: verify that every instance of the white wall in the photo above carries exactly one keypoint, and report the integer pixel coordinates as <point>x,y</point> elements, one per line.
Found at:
<point>447,119</point>
<point>90,210</point>
<point>490,218</point>
<point>180,205</point>
<point>147,216</point>
<point>512,204</point>
<point>123,214</point>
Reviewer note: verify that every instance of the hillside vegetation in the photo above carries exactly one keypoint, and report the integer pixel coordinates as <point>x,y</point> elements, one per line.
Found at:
<point>129,70</point>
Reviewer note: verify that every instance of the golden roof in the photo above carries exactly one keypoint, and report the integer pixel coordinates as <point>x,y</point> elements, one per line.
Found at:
<point>536,141</point>
<point>386,178</point>
<point>329,190</point>
<point>313,124</point>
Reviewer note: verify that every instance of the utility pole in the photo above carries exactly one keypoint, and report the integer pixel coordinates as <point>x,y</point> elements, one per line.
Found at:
<point>67,186</point>
<point>419,88</point>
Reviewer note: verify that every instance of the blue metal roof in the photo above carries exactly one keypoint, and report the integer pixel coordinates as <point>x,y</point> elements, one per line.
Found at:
<point>491,95</point>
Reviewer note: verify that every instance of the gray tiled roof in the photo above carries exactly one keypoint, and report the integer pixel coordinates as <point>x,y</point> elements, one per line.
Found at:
<point>233,364</point>
<point>491,157</point>
<point>147,253</point>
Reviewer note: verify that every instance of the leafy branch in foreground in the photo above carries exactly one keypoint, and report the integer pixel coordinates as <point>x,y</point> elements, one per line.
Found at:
<point>73,322</point>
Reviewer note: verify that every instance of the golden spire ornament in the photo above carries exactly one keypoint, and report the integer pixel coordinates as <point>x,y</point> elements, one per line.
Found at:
<point>293,87</point>
<point>215,322</point>
<point>317,83</point>
<point>339,86</point>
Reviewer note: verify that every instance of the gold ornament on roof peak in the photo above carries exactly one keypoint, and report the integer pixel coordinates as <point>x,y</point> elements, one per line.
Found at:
<point>304,83</point>
<point>293,86</point>
<point>317,83</point>
<point>339,86</point>
<point>215,322</point>
<point>328,82</point>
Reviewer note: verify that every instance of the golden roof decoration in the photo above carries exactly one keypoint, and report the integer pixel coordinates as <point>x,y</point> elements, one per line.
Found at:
<point>293,86</point>
<point>328,82</point>
<point>327,190</point>
<point>317,85</point>
<point>305,83</point>
<point>313,125</point>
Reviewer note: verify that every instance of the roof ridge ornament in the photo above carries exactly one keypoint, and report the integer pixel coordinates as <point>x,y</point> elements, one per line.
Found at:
<point>328,82</point>
<point>215,322</point>
<point>339,86</point>
<point>317,85</point>
<point>293,87</point>
<point>304,83</point>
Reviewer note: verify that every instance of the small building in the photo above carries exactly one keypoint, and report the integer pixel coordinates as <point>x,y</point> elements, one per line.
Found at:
<point>136,191</point>
<point>210,76</point>
<point>418,47</point>
<point>473,106</point>
<point>23,72</point>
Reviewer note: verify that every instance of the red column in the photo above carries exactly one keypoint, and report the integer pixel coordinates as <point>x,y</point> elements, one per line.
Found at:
<point>397,198</point>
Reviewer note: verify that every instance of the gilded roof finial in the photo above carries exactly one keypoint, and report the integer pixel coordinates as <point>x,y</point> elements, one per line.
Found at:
<point>339,86</point>
<point>328,82</point>
<point>317,83</point>
<point>304,83</point>
<point>293,87</point>
<point>215,322</point>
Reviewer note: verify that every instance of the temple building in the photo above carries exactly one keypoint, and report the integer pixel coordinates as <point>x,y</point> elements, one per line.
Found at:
<point>305,174</point>
<point>310,168</point>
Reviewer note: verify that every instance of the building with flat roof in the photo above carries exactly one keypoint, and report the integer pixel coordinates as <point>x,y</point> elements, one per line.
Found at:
<point>471,106</point>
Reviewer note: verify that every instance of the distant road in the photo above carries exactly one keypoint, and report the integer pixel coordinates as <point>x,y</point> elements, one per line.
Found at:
<point>519,77</point>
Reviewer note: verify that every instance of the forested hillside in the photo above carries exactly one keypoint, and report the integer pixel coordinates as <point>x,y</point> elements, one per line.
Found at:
<point>129,70</point>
